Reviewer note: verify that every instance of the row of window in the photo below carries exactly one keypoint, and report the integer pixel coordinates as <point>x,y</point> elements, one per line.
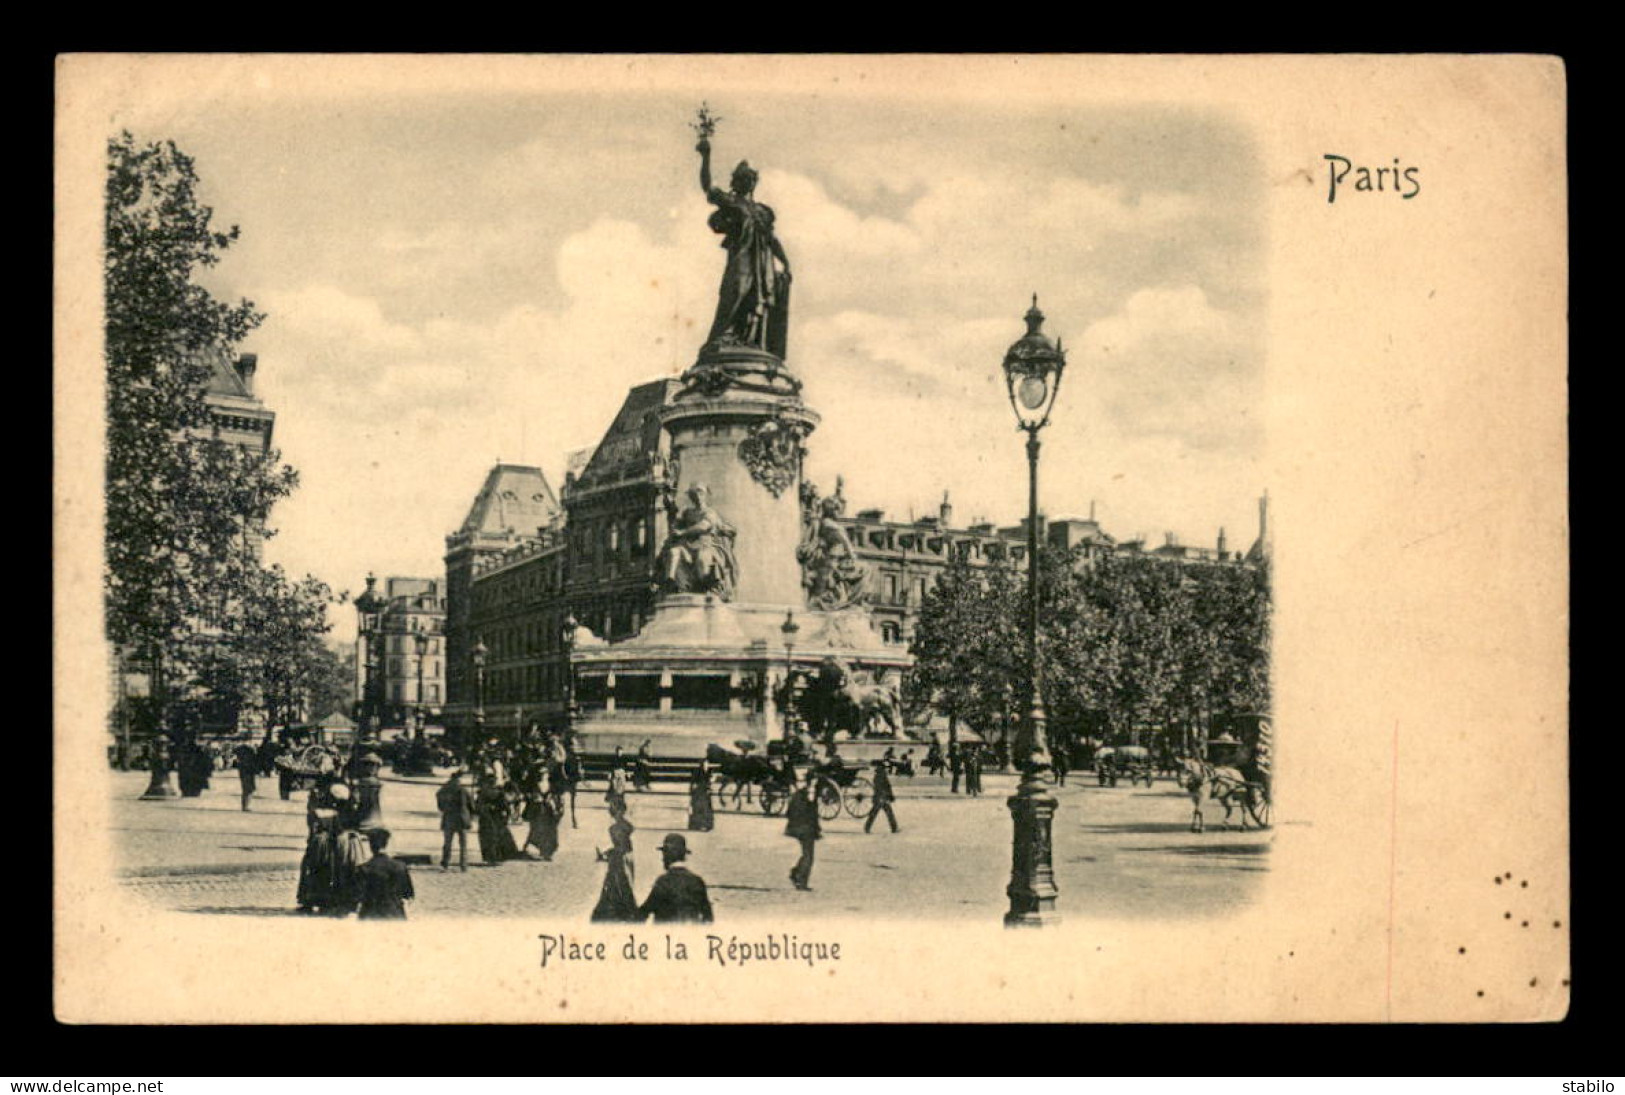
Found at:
<point>525,683</point>
<point>408,667</point>
<point>608,539</point>
<point>407,644</point>
<point>407,693</point>
<point>524,585</point>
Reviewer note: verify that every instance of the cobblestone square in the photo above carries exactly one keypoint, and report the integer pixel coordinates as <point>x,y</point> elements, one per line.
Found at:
<point>1119,851</point>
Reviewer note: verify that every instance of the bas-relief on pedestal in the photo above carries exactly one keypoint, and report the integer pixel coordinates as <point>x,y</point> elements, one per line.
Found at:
<point>743,550</point>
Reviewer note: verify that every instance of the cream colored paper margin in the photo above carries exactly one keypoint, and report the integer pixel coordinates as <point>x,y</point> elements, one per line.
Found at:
<point>1416,409</point>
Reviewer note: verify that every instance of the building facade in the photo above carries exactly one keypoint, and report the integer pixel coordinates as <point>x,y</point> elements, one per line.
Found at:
<point>521,567</point>
<point>406,652</point>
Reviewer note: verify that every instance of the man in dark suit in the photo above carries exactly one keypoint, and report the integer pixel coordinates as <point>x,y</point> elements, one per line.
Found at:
<point>457,814</point>
<point>678,896</point>
<point>804,826</point>
<point>883,798</point>
<point>248,762</point>
<point>384,883</point>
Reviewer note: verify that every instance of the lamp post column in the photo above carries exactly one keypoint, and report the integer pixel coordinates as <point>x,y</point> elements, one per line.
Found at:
<point>479,698</point>
<point>1032,368</point>
<point>789,629</point>
<point>1032,890</point>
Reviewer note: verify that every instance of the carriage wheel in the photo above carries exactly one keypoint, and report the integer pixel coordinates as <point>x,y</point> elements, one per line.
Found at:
<point>1258,807</point>
<point>773,800</point>
<point>829,800</point>
<point>859,797</point>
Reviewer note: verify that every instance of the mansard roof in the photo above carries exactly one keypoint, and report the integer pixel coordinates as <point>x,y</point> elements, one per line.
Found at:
<point>634,436</point>
<point>515,497</point>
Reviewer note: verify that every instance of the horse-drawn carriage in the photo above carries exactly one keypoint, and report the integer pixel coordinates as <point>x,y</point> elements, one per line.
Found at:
<point>1131,762</point>
<point>836,785</point>
<point>303,767</point>
<point>1240,788</point>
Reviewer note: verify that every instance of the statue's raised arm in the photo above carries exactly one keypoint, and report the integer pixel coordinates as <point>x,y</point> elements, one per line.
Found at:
<point>704,149</point>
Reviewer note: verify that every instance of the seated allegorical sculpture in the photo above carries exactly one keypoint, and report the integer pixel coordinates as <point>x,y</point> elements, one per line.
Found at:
<point>698,555</point>
<point>831,573</point>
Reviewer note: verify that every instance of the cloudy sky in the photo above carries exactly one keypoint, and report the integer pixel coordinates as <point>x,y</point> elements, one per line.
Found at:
<point>450,279</point>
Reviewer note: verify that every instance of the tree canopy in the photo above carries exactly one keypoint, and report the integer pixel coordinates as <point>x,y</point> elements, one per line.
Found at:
<point>1124,642</point>
<point>186,509</point>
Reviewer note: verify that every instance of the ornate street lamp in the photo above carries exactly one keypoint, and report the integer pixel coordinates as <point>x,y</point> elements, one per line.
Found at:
<point>479,690</point>
<point>1032,372</point>
<point>421,638</point>
<point>789,629</point>
<point>369,608</point>
<point>567,643</point>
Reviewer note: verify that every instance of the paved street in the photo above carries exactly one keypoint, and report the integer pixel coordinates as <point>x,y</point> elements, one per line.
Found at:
<point>1118,852</point>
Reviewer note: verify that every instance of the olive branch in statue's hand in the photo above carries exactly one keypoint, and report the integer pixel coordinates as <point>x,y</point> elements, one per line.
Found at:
<point>704,125</point>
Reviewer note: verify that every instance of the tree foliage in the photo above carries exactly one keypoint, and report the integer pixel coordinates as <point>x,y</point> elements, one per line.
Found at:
<point>185,509</point>
<point>1124,642</point>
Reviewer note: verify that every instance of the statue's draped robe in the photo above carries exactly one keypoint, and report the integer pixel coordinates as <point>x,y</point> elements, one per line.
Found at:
<point>699,554</point>
<point>753,304</point>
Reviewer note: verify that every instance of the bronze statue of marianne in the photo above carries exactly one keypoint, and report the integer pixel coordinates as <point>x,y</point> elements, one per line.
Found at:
<point>753,305</point>
<point>698,555</point>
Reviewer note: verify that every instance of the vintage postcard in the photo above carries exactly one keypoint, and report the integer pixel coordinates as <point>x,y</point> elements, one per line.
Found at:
<point>700,538</point>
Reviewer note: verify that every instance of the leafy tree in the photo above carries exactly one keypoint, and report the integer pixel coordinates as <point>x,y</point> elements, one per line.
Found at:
<point>1124,641</point>
<point>269,652</point>
<point>184,508</point>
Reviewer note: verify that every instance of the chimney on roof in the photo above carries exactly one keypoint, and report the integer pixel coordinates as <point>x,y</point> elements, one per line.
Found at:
<point>1222,552</point>
<point>1173,541</point>
<point>945,512</point>
<point>247,364</point>
<point>1091,509</point>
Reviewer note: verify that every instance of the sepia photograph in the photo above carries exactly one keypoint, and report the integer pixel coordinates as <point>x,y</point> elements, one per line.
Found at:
<point>808,516</point>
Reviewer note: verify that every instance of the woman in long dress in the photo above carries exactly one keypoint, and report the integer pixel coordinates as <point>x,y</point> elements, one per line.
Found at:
<point>327,874</point>
<point>616,902</point>
<point>701,818</point>
<point>541,810</point>
<point>496,841</point>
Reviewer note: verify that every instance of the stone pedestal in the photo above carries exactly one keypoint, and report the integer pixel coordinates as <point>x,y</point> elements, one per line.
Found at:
<point>703,668</point>
<point>727,444</point>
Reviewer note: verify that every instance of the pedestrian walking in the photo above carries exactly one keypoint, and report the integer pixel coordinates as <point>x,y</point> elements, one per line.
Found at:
<point>491,810</point>
<point>678,896</point>
<point>803,825</point>
<point>883,798</point>
<point>956,764</point>
<point>973,771</point>
<point>643,767</point>
<point>457,810</point>
<point>572,778</point>
<point>333,852</point>
<point>701,817</point>
<point>383,883</point>
<point>1195,783</point>
<point>248,762</point>
<point>615,793</point>
<point>616,901</point>
<point>1061,763</point>
<point>541,810</point>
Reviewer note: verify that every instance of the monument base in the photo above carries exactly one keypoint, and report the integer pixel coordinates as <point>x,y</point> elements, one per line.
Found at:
<point>703,671</point>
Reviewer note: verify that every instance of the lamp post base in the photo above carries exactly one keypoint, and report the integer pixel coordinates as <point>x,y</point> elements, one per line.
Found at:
<point>369,800</point>
<point>162,785</point>
<point>1032,890</point>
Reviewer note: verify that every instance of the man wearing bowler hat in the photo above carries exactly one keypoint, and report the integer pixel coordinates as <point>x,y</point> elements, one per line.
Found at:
<point>678,896</point>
